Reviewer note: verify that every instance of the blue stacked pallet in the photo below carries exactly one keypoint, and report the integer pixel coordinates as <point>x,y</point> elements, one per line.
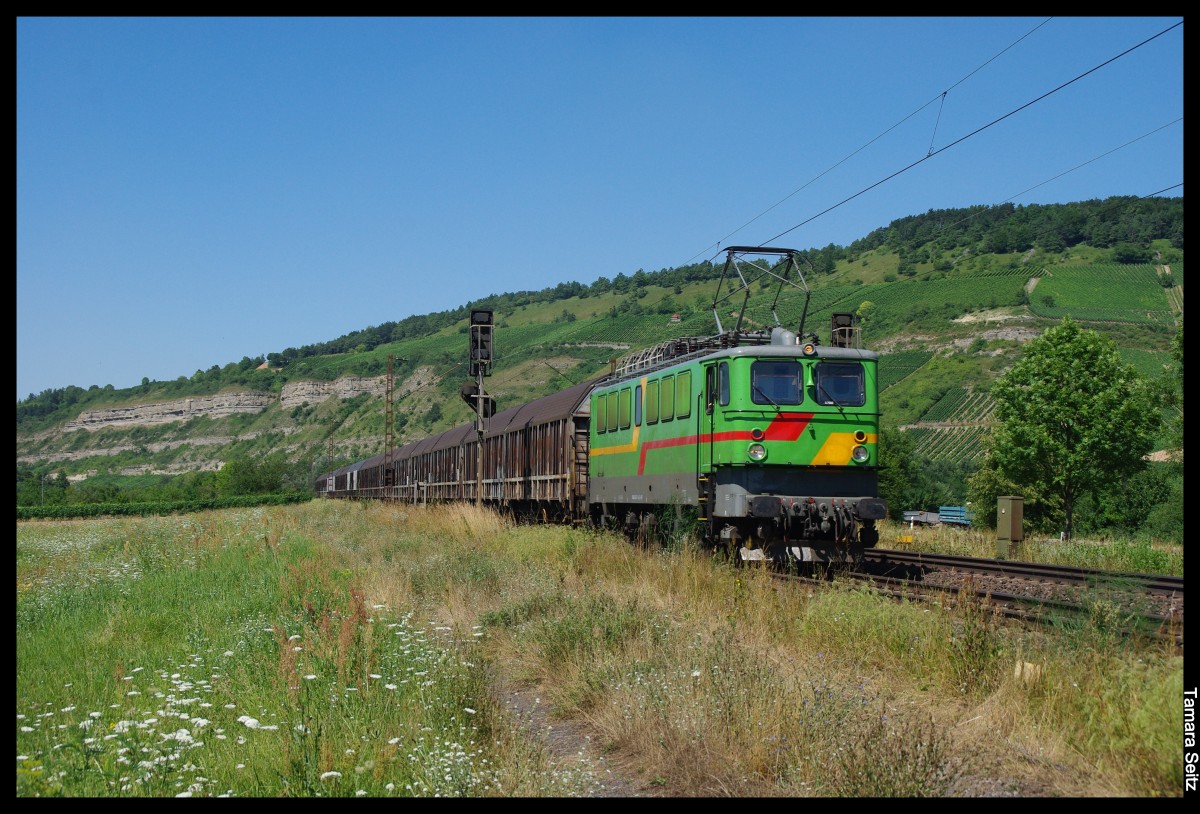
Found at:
<point>956,515</point>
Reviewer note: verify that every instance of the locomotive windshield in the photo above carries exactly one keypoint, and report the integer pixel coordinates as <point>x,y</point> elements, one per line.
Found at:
<point>840,383</point>
<point>776,382</point>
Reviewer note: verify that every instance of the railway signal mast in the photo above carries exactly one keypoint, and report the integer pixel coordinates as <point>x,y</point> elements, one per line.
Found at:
<point>389,476</point>
<point>481,365</point>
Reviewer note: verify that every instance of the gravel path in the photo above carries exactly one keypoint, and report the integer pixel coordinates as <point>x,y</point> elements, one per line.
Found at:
<point>570,746</point>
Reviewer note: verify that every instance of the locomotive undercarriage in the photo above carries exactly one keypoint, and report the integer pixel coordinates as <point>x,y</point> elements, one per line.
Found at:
<point>784,515</point>
<point>801,524</point>
<point>803,530</point>
<point>781,530</point>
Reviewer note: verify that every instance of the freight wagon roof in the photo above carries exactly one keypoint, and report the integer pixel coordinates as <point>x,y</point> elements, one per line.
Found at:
<point>342,470</point>
<point>554,407</point>
<point>354,467</point>
<point>367,464</point>
<point>450,438</point>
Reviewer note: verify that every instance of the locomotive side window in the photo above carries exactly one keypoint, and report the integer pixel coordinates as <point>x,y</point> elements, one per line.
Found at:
<point>840,383</point>
<point>612,411</point>
<point>776,382</point>
<point>683,394</point>
<point>637,406</point>
<point>623,408</point>
<point>601,414</point>
<point>668,398</point>
<point>723,384</point>
<point>652,402</point>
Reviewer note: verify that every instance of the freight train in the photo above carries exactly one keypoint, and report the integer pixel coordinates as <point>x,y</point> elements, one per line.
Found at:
<point>769,439</point>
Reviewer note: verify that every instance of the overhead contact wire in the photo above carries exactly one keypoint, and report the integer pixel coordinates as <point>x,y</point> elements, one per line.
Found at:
<point>974,132</point>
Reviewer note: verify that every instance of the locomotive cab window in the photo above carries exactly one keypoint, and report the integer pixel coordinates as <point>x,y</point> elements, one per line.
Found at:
<point>776,382</point>
<point>637,406</point>
<point>840,383</point>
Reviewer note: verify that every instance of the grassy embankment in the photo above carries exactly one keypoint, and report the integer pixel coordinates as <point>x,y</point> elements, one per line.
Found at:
<point>345,649</point>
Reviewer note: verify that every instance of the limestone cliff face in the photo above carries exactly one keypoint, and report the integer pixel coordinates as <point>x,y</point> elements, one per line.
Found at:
<point>166,412</point>
<point>297,393</point>
<point>294,394</point>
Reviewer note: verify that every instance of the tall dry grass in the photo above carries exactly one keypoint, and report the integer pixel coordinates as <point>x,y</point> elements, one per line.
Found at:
<point>694,676</point>
<point>720,680</point>
<point>1115,553</point>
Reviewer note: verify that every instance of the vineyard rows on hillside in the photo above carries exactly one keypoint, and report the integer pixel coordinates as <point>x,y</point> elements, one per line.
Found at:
<point>895,366</point>
<point>962,406</point>
<point>955,427</point>
<point>1106,292</point>
<point>953,444</point>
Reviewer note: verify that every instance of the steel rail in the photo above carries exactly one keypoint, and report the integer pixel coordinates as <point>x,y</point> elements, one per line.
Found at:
<point>1160,583</point>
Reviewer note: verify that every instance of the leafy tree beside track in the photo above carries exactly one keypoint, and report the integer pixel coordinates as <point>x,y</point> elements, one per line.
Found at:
<point>1074,417</point>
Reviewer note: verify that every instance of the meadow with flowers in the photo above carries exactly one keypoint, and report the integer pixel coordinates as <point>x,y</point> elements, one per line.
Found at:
<point>336,649</point>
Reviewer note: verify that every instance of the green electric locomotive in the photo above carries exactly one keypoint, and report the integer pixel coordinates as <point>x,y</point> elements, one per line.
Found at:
<point>775,445</point>
<point>769,437</point>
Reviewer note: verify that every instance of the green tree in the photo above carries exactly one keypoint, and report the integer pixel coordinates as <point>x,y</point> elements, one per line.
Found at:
<point>1130,253</point>
<point>1170,388</point>
<point>898,470</point>
<point>242,476</point>
<point>1072,416</point>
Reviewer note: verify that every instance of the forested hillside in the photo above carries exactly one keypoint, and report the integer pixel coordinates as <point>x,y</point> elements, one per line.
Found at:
<point>947,297</point>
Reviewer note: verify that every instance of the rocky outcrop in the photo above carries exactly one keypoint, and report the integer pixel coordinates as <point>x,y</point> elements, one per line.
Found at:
<point>166,412</point>
<point>296,394</point>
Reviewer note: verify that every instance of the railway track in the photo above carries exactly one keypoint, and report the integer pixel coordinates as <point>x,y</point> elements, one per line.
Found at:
<point>1061,574</point>
<point>1031,592</point>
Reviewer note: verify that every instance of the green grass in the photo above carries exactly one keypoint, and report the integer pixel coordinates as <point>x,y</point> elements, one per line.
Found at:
<point>1127,555</point>
<point>220,655</point>
<point>360,649</point>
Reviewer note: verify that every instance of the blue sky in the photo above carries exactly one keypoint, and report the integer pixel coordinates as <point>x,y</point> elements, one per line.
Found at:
<point>191,191</point>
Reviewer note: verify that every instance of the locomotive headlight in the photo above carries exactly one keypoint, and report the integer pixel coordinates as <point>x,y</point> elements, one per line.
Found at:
<point>757,452</point>
<point>809,349</point>
<point>860,454</point>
